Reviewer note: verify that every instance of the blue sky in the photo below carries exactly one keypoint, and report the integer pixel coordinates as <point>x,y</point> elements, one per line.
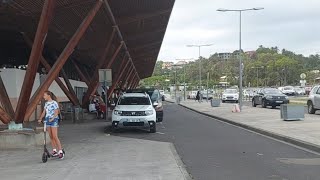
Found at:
<point>289,24</point>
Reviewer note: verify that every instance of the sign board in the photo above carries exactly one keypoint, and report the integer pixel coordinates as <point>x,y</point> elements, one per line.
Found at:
<point>105,75</point>
<point>303,76</point>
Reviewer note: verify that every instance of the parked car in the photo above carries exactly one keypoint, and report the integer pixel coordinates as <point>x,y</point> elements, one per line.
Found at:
<point>230,95</point>
<point>248,93</point>
<point>299,90</point>
<point>134,110</point>
<point>204,94</point>
<point>314,100</point>
<point>288,90</point>
<point>155,96</point>
<point>269,97</point>
<point>192,95</point>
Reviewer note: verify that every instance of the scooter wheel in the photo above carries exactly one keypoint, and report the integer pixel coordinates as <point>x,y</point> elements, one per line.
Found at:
<point>44,157</point>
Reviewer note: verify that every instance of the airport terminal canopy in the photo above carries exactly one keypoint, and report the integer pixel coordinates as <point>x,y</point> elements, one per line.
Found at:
<point>142,24</point>
<point>74,39</point>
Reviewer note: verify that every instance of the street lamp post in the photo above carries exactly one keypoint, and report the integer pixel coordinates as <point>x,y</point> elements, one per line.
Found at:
<point>199,46</point>
<point>240,49</point>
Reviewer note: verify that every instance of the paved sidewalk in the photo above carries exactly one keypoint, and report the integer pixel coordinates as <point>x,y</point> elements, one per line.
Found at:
<point>304,133</point>
<point>93,154</point>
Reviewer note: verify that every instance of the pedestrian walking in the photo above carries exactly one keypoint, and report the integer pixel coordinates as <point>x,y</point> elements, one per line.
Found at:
<point>198,96</point>
<point>51,114</point>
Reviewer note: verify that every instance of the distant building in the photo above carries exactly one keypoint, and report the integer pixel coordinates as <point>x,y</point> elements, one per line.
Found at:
<point>225,56</point>
<point>167,65</point>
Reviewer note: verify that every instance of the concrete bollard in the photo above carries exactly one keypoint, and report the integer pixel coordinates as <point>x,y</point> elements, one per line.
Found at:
<point>236,108</point>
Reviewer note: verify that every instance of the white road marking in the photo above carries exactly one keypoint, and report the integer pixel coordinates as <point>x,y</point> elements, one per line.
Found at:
<point>160,133</point>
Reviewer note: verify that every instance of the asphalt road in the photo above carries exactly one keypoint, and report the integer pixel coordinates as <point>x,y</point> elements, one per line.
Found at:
<point>212,150</point>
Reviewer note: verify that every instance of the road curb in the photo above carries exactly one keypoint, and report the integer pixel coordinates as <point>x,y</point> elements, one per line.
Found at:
<point>280,137</point>
<point>180,163</point>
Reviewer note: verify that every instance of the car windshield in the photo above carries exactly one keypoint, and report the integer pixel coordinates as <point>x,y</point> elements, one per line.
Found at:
<point>288,88</point>
<point>134,101</point>
<point>154,94</point>
<point>272,91</point>
<point>231,91</point>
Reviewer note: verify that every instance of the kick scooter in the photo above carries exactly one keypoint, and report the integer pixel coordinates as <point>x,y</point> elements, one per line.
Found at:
<point>46,154</point>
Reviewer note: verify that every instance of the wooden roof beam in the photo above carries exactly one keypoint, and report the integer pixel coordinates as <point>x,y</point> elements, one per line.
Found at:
<point>139,17</point>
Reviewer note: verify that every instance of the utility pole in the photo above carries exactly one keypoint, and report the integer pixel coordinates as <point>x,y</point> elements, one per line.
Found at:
<point>240,49</point>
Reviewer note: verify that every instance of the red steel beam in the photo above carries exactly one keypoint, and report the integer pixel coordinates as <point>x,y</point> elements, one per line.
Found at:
<point>47,66</point>
<point>5,100</point>
<point>54,72</point>
<point>119,75</point>
<point>4,116</point>
<point>34,59</point>
<point>95,81</point>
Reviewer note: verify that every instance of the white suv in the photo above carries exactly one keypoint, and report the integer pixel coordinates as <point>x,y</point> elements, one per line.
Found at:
<point>134,110</point>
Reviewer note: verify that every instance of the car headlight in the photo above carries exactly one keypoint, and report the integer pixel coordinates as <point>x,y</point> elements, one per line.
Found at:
<point>149,112</point>
<point>117,112</point>
<point>224,96</point>
<point>236,96</point>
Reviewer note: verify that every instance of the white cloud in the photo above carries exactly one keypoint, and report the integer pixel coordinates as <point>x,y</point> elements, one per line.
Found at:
<point>289,24</point>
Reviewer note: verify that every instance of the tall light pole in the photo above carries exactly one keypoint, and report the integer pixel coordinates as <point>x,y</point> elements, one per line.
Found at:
<point>240,49</point>
<point>199,46</point>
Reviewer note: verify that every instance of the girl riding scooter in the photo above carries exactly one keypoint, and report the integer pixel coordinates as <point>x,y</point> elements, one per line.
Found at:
<point>51,114</point>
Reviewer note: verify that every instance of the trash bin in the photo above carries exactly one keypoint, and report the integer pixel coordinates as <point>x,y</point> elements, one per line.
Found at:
<point>215,102</point>
<point>77,114</point>
<point>289,112</point>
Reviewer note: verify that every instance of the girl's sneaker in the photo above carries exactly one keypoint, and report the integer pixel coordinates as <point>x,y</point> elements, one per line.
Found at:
<point>61,155</point>
<point>54,154</point>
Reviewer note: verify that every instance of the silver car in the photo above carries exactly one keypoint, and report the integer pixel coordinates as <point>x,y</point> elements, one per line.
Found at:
<point>314,100</point>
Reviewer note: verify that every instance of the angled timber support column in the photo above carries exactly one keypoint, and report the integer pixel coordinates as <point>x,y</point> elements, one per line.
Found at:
<point>135,82</point>
<point>66,80</point>
<point>56,68</point>
<point>130,78</point>
<point>4,116</point>
<point>95,80</point>
<point>47,66</point>
<point>5,100</point>
<point>119,75</point>
<point>34,59</point>
<point>82,76</point>
<point>93,84</point>
<point>124,83</point>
